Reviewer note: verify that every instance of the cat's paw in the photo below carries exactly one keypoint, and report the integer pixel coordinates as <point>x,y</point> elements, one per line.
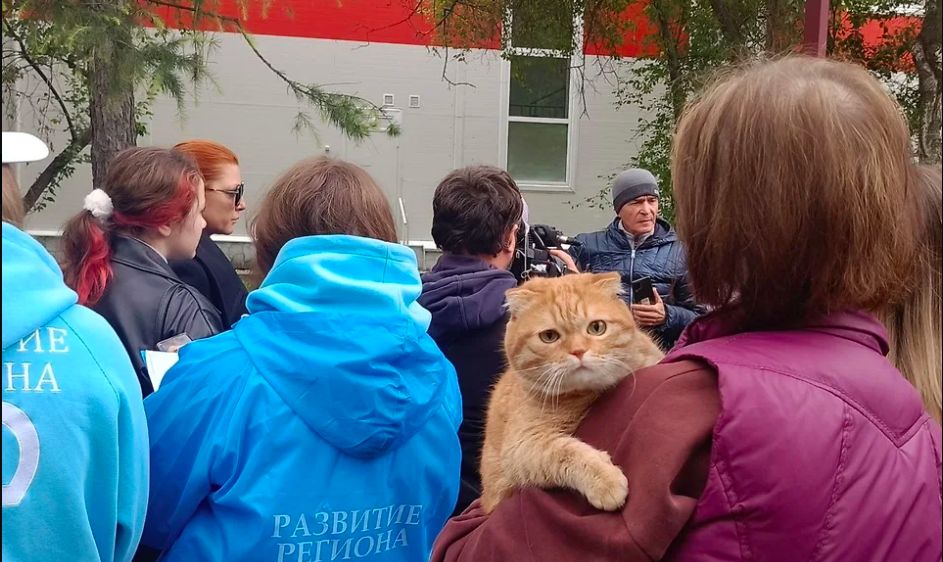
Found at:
<point>609,489</point>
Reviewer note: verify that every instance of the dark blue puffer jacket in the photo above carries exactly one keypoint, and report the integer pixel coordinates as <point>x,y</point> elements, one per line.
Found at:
<point>661,257</point>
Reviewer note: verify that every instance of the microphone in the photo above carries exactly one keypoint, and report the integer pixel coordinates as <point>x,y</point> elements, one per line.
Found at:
<point>569,241</point>
<point>552,237</point>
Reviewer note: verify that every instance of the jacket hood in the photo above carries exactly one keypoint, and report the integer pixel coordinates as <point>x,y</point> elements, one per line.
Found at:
<point>464,293</point>
<point>33,290</point>
<point>338,333</point>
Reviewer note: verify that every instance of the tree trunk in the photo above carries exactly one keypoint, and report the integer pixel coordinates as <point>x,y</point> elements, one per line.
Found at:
<point>671,41</point>
<point>929,62</point>
<point>111,92</point>
<point>782,19</point>
<point>729,14</point>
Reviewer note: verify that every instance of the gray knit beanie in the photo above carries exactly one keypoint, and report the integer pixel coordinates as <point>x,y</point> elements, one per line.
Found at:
<point>632,184</point>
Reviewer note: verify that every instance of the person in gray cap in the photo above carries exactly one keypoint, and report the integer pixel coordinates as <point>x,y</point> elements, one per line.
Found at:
<point>638,244</point>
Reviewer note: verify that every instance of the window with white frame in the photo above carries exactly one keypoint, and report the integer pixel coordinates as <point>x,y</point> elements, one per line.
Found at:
<point>539,120</point>
<point>539,136</point>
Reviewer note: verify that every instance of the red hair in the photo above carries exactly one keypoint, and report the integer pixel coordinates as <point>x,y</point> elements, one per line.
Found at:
<point>149,188</point>
<point>211,157</point>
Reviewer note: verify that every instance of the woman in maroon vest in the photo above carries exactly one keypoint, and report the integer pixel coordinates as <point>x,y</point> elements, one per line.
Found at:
<point>777,430</point>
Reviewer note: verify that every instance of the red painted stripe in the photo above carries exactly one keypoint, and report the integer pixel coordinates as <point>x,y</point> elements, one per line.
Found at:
<point>891,31</point>
<point>395,21</point>
<point>364,21</point>
<point>638,41</point>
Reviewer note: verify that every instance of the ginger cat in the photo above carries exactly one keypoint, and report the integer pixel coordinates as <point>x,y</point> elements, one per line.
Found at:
<point>568,341</point>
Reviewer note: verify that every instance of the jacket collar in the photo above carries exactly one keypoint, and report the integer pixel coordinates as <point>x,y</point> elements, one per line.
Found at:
<point>134,253</point>
<point>211,255</point>
<point>858,327</point>
<point>664,234</point>
<point>464,293</point>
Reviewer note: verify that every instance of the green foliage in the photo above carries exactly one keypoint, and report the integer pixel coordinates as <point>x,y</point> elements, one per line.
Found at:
<point>49,46</point>
<point>716,34</point>
<point>533,24</point>
<point>689,43</point>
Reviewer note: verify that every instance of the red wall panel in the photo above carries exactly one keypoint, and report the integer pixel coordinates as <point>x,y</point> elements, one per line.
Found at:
<point>366,21</point>
<point>395,21</point>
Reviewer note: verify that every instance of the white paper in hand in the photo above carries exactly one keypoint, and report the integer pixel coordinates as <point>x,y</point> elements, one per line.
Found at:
<point>158,363</point>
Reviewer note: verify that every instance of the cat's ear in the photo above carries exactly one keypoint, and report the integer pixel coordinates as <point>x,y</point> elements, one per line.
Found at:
<point>520,299</point>
<point>610,283</point>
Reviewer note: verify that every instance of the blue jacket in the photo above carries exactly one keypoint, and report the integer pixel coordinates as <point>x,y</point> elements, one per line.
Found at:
<point>74,432</point>
<point>661,257</point>
<point>466,298</point>
<point>323,427</point>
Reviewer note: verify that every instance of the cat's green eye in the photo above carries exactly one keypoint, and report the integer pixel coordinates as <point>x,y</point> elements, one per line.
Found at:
<point>597,328</point>
<point>550,336</point>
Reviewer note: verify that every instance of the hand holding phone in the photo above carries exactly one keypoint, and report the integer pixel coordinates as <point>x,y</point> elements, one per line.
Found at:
<point>643,291</point>
<point>649,310</point>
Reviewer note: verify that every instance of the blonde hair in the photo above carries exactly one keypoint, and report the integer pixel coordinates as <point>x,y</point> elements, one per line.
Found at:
<point>12,201</point>
<point>916,338</point>
<point>786,175</point>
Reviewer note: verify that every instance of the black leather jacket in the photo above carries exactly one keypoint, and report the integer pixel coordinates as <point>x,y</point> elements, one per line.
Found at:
<point>146,303</point>
<point>211,273</point>
<point>661,257</point>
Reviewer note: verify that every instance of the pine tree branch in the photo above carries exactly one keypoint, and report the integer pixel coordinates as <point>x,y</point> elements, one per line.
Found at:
<point>73,132</point>
<point>302,91</point>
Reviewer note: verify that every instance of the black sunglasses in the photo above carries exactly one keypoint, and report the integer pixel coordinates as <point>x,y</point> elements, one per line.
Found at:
<point>237,193</point>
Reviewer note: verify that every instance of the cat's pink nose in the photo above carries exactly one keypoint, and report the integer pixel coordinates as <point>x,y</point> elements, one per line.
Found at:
<point>578,354</point>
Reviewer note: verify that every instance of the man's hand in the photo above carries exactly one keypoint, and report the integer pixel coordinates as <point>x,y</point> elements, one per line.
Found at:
<point>650,315</point>
<point>567,259</point>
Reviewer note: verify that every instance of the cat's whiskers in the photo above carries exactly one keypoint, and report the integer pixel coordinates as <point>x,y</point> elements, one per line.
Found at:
<point>562,374</point>
<point>559,390</point>
<point>537,388</point>
<point>546,386</point>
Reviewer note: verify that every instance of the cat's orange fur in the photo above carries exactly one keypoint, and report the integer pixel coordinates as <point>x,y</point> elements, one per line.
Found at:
<point>551,383</point>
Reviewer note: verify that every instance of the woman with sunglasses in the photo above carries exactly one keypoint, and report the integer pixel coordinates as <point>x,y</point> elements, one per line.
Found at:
<point>211,272</point>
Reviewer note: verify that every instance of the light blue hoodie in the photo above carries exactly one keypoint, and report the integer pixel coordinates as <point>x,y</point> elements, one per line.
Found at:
<point>74,433</point>
<point>322,428</point>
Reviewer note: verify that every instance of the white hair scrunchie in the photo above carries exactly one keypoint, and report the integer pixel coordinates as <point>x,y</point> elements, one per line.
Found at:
<point>99,204</point>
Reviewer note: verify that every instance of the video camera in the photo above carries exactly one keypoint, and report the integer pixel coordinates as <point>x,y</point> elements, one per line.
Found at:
<point>532,257</point>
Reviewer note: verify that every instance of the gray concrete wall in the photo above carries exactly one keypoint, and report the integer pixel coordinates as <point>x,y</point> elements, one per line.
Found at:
<point>455,126</point>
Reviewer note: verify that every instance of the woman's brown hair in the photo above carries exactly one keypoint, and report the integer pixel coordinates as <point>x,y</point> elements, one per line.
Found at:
<point>12,201</point>
<point>914,326</point>
<point>149,188</point>
<point>793,184</point>
<point>320,196</point>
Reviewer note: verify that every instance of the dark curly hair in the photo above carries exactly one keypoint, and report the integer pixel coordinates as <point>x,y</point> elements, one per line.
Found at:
<point>474,209</point>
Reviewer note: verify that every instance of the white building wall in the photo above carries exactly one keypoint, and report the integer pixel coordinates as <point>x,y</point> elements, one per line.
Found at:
<point>253,114</point>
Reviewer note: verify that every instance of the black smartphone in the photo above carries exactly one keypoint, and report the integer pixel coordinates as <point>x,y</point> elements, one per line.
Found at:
<point>643,291</point>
